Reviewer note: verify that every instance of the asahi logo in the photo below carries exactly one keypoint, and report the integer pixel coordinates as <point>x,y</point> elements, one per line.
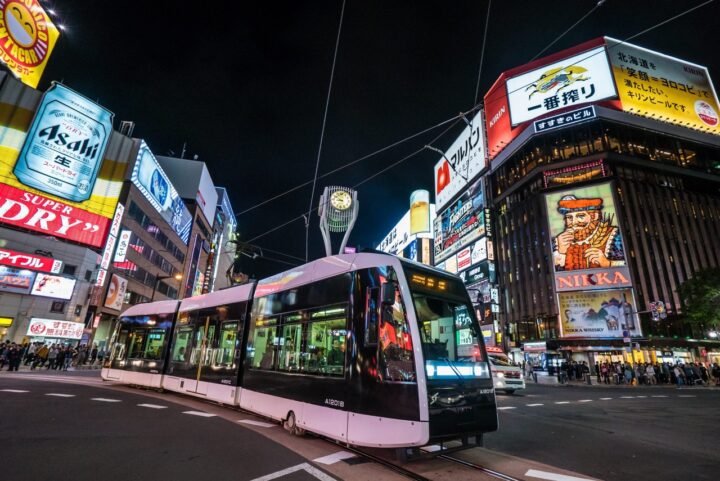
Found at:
<point>79,146</point>
<point>497,116</point>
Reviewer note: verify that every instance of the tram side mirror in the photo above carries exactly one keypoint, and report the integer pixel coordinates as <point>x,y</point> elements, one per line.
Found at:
<point>387,293</point>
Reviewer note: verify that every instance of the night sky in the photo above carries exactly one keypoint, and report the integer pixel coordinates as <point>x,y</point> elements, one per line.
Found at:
<point>244,85</point>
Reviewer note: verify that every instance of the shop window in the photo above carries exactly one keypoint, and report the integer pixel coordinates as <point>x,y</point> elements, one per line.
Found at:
<point>58,306</point>
<point>69,270</point>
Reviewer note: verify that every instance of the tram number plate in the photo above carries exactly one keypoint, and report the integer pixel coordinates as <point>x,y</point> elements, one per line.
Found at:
<point>487,391</point>
<point>335,403</point>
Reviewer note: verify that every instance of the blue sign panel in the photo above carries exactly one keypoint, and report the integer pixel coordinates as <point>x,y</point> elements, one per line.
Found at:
<point>65,145</point>
<point>17,281</point>
<point>565,119</point>
<point>149,177</point>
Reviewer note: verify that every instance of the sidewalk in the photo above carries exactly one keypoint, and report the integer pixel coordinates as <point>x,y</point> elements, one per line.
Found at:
<point>547,380</point>
<point>38,369</point>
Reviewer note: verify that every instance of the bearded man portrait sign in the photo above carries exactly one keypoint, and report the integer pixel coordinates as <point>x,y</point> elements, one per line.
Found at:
<point>584,230</point>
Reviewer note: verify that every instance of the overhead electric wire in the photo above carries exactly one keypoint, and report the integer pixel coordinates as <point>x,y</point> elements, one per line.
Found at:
<point>322,131</point>
<point>475,107</point>
<point>482,52</point>
<point>597,5</point>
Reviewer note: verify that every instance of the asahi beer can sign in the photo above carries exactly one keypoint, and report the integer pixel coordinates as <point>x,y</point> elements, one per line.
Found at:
<point>65,145</point>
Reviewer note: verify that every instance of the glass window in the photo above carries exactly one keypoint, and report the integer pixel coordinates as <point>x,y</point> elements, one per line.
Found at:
<point>118,350</point>
<point>137,339</point>
<point>209,344</point>
<point>327,342</point>
<point>446,329</point>
<point>225,353</point>
<point>154,346</point>
<point>371,315</point>
<point>180,350</point>
<point>262,348</point>
<point>290,352</point>
<point>395,343</point>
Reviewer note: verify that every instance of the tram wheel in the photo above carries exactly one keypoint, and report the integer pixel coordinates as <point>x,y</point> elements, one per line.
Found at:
<point>290,424</point>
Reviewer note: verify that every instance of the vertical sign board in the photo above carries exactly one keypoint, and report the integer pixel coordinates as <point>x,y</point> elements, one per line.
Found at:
<point>663,87</point>
<point>589,261</point>
<point>149,177</point>
<point>463,161</point>
<point>110,245</point>
<point>122,245</point>
<point>460,223</point>
<point>27,38</point>
<point>116,293</point>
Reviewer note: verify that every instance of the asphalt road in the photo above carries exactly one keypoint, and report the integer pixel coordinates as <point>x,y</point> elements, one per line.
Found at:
<point>614,434</point>
<point>81,432</point>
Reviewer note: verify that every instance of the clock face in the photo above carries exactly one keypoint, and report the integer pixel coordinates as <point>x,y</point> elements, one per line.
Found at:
<point>341,200</point>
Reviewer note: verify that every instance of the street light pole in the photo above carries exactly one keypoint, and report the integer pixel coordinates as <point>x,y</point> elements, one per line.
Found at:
<point>177,277</point>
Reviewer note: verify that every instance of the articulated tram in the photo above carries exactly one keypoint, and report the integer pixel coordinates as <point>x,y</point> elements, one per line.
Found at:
<point>366,349</point>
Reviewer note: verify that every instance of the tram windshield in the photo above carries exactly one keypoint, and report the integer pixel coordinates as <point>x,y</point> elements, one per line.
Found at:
<point>448,330</point>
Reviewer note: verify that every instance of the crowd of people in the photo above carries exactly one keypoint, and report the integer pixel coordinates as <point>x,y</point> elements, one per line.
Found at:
<point>687,374</point>
<point>53,356</point>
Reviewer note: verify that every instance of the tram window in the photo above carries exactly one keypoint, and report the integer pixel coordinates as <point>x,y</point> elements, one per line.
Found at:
<point>225,354</point>
<point>262,348</point>
<point>180,350</point>
<point>137,339</point>
<point>446,330</point>
<point>371,316</point>
<point>395,343</point>
<point>326,342</point>
<point>118,352</point>
<point>290,352</point>
<point>209,345</point>
<point>153,348</point>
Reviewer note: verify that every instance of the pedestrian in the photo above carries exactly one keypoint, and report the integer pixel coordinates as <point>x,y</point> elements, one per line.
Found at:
<point>4,350</point>
<point>52,357</point>
<point>93,354</point>
<point>716,373</point>
<point>14,356</point>
<point>69,353</point>
<point>650,375</point>
<point>678,375</point>
<point>597,371</point>
<point>30,356</point>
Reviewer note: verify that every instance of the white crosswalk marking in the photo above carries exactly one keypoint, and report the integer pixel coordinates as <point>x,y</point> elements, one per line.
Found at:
<point>640,397</point>
<point>605,398</point>
<point>105,400</point>
<point>585,401</point>
<point>627,397</point>
<point>506,407</point>
<point>199,413</point>
<point>57,394</point>
<point>17,391</point>
<point>256,423</point>
<point>562,402</point>
<point>334,458</point>
<point>686,395</point>
<point>152,406</point>
<point>533,405</point>
<point>659,395</point>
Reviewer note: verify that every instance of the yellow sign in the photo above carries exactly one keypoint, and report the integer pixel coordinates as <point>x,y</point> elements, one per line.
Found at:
<point>27,37</point>
<point>6,321</point>
<point>664,88</point>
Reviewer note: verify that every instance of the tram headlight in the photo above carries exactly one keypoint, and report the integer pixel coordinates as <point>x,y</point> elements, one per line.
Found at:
<point>430,370</point>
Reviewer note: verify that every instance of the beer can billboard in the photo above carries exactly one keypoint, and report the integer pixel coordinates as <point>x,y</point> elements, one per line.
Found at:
<point>655,85</point>
<point>62,173</point>
<point>27,38</point>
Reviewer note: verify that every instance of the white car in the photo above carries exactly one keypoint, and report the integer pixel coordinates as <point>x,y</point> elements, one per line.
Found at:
<point>506,376</point>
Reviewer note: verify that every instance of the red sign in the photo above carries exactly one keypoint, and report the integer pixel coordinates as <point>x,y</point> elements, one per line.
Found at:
<point>494,349</point>
<point>51,217</point>
<point>29,261</point>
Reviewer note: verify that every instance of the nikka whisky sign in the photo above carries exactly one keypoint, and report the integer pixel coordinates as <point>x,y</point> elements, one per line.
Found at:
<point>592,279</point>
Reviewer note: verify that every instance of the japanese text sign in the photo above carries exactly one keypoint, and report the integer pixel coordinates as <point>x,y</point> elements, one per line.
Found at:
<point>55,328</point>
<point>22,260</point>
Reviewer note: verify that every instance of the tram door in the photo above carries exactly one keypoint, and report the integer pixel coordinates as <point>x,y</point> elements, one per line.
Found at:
<point>202,353</point>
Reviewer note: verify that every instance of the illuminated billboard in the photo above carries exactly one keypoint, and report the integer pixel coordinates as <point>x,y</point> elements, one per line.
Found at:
<point>460,224</point>
<point>663,87</point>
<point>582,78</point>
<point>65,145</point>
<point>22,260</point>
<point>605,313</point>
<point>16,281</point>
<point>150,178</point>
<point>462,162</point>
<point>58,287</point>
<point>116,293</point>
<point>55,328</point>
<point>27,38</point>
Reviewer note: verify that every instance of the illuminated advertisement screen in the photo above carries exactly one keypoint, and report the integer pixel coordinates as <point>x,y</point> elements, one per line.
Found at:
<point>584,229</point>
<point>462,162</point>
<point>28,38</point>
<point>60,156</point>
<point>16,281</point>
<point>598,313</point>
<point>576,80</point>
<point>55,328</point>
<point>65,145</point>
<point>46,285</point>
<point>116,293</point>
<point>149,177</point>
<point>659,86</point>
<point>460,224</point>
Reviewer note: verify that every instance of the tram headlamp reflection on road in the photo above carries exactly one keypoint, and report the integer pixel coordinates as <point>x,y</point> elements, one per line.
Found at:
<point>443,370</point>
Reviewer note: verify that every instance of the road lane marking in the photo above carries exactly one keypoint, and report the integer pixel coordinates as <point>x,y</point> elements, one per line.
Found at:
<point>605,398</point>
<point>199,413</point>
<point>506,407</point>
<point>627,397</point>
<point>640,397</point>
<point>17,391</point>
<point>686,395</point>
<point>533,405</point>
<point>106,400</point>
<point>660,395</point>
<point>562,402</point>
<point>57,394</point>
<point>334,458</point>
<point>152,406</point>
<point>585,401</point>
<point>534,473</point>
<point>257,423</point>
<point>300,467</point>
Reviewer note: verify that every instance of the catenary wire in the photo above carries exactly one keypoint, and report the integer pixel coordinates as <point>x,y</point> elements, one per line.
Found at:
<point>597,5</point>
<point>482,52</point>
<point>502,94</point>
<point>322,132</point>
